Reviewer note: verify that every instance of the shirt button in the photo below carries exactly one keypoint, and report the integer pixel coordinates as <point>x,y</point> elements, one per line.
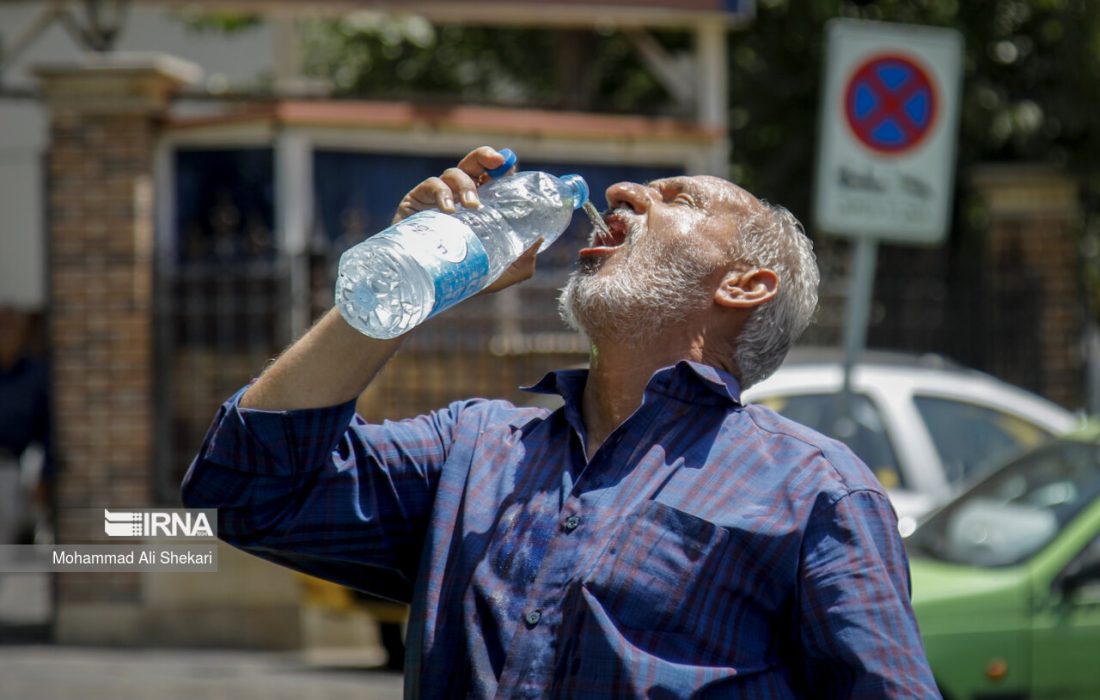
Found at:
<point>572,522</point>
<point>533,617</point>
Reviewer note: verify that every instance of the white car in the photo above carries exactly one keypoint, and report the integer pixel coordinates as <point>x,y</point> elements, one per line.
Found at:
<point>922,424</point>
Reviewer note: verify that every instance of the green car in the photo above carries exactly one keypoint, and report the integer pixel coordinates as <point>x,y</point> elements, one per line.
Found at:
<point>1006,578</point>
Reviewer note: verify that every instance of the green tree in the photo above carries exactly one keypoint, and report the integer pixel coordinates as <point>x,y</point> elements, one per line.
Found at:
<point>377,56</point>
<point>1031,83</point>
<point>1030,80</point>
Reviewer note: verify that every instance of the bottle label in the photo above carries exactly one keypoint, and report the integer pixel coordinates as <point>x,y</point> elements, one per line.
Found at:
<point>449,251</point>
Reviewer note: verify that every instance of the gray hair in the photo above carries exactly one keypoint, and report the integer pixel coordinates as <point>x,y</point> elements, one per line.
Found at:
<point>772,238</point>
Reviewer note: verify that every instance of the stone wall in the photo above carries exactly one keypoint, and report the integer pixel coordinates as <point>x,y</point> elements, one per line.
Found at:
<point>100,244</point>
<point>105,114</point>
<point>1035,316</point>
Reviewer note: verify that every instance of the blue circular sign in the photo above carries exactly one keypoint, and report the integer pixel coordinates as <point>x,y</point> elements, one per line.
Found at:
<point>890,104</point>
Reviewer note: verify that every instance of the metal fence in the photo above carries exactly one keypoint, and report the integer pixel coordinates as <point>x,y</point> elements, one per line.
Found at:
<point>226,303</point>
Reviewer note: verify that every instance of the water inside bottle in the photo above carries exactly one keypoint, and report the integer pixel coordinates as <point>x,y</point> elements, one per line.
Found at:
<point>594,217</point>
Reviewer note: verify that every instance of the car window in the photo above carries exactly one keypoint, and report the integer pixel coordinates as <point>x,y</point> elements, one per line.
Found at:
<point>1087,561</point>
<point>866,434</point>
<point>1017,510</point>
<point>970,439</point>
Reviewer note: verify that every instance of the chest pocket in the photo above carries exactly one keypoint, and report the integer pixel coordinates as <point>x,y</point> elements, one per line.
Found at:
<point>659,571</point>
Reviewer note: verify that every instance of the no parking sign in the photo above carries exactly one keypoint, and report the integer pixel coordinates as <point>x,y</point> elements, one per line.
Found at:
<point>889,115</point>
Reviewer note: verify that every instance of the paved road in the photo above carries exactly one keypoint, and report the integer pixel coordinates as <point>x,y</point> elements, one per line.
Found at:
<point>45,672</point>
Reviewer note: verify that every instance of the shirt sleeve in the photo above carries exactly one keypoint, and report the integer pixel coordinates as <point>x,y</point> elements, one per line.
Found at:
<point>858,632</point>
<point>323,492</point>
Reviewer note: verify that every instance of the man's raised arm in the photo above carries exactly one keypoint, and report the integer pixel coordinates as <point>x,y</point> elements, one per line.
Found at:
<point>333,363</point>
<point>298,479</point>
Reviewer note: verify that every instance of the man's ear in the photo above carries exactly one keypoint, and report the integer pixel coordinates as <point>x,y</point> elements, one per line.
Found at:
<point>746,289</point>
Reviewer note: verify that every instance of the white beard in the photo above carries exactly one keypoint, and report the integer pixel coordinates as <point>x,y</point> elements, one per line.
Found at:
<point>650,292</point>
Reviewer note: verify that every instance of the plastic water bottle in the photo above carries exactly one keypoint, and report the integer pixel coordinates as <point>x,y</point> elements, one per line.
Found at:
<point>430,261</point>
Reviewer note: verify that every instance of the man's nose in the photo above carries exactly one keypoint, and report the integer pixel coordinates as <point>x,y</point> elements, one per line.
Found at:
<point>630,194</point>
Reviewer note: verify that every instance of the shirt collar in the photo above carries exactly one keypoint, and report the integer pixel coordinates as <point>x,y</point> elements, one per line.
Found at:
<point>683,379</point>
<point>566,383</point>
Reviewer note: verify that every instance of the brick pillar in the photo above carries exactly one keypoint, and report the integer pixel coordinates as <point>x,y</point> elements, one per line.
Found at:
<point>1035,318</point>
<point>104,113</point>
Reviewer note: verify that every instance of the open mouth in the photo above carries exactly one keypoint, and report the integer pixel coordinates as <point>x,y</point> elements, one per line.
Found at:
<point>604,242</point>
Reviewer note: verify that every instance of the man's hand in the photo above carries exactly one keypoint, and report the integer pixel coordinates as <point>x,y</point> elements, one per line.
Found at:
<point>459,184</point>
<point>522,269</point>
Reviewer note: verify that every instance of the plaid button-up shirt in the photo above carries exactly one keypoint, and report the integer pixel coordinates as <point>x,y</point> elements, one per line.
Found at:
<point>707,549</point>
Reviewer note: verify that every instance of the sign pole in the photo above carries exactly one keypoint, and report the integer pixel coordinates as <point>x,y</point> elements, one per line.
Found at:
<point>886,155</point>
<point>856,318</point>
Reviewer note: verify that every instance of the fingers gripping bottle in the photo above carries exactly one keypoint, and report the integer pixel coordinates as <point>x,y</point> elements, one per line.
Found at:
<point>430,261</point>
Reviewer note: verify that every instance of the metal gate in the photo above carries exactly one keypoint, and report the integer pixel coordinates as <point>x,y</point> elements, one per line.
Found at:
<point>227,305</point>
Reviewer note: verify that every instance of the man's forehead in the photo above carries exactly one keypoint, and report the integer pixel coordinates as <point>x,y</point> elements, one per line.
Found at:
<point>715,189</point>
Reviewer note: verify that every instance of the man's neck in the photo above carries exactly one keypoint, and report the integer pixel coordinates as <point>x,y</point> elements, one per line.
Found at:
<point>617,378</point>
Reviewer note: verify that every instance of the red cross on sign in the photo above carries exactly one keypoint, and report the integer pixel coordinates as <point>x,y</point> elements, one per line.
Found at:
<point>890,103</point>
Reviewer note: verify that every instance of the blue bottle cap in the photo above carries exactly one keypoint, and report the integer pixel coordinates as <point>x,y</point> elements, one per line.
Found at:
<point>509,161</point>
<point>580,188</point>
